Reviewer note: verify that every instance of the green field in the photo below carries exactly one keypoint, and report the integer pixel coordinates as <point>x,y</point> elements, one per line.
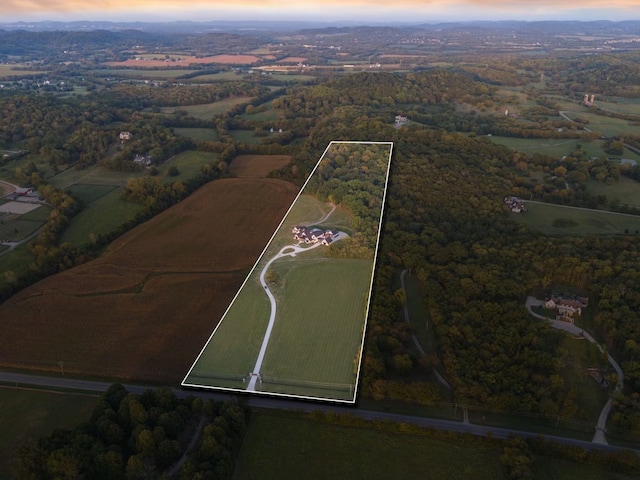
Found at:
<point>207,110</point>
<point>207,134</point>
<point>100,217</point>
<point>313,348</point>
<point>93,175</point>
<point>88,193</point>
<point>220,76</point>
<point>329,297</point>
<point>625,190</point>
<point>188,164</point>
<point>286,446</point>
<point>607,126</point>
<point>141,73</point>
<point>541,216</point>
<point>558,147</point>
<point>27,415</point>
<point>245,136</point>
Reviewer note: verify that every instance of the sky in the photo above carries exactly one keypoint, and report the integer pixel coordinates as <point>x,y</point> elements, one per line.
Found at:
<point>356,11</point>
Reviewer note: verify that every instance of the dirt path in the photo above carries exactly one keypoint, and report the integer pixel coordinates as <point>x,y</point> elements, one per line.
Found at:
<point>414,338</point>
<point>192,444</point>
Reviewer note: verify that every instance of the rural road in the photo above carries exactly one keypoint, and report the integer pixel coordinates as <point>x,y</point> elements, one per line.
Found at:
<point>21,380</point>
<point>601,426</point>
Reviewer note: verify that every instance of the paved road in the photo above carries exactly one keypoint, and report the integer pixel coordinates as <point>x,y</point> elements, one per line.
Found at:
<point>601,426</point>
<point>266,402</point>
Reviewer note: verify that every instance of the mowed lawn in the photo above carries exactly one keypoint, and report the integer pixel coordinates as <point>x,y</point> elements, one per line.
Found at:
<point>231,353</point>
<point>319,325</point>
<point>541,216</point>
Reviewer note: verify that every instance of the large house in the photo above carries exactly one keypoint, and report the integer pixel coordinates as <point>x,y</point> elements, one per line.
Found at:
<point>514,204</point>
<point>566,307</point>
<point>313,235</point>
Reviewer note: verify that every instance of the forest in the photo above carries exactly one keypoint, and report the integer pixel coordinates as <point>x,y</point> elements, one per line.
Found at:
<point>142,436</point>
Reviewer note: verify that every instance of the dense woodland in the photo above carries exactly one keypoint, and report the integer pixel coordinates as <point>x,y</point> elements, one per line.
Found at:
<point>142,436</point>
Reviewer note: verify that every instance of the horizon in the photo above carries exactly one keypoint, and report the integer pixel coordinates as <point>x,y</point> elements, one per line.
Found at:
<point>347,11</point>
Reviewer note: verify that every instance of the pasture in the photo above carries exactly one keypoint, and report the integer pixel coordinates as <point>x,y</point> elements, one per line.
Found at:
<point>206,134</point>
<point>207,110</point>
<point>245,136</point>
<point>317,327</point>
<point>554,147</point>
<point>345,448</point>
<point>17,227</point>
<point>625,190</point>
<point>188,164</point>
<point>542,216</point>
<point>27,415</point>
<point>94,175</point>
<point>103,213</point>
<point>143,310</point>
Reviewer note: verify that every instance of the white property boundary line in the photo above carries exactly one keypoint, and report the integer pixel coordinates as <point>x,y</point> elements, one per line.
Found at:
<point>184,382</point>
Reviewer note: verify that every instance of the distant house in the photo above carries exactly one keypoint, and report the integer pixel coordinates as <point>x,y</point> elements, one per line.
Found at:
<point>23,191</point>
<point>124,135</point>
<point>400,121</point>
<point>146,160</point>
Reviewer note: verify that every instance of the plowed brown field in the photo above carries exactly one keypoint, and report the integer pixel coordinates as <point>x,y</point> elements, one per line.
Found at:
<point>144,310</point>
<point>257,165</point>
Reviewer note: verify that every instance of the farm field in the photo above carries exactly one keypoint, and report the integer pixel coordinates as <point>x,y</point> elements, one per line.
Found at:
<point>208,110</point>
<point>257,165</point>
<point>317,449</point>
<point>295,328</point>
<point>188,60</point>
<point>143,72</point>
<point>541,216</point>
<point>27,415</point>
<point>142,310</point>
<point>18,70</point>
<point>208,134</point>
